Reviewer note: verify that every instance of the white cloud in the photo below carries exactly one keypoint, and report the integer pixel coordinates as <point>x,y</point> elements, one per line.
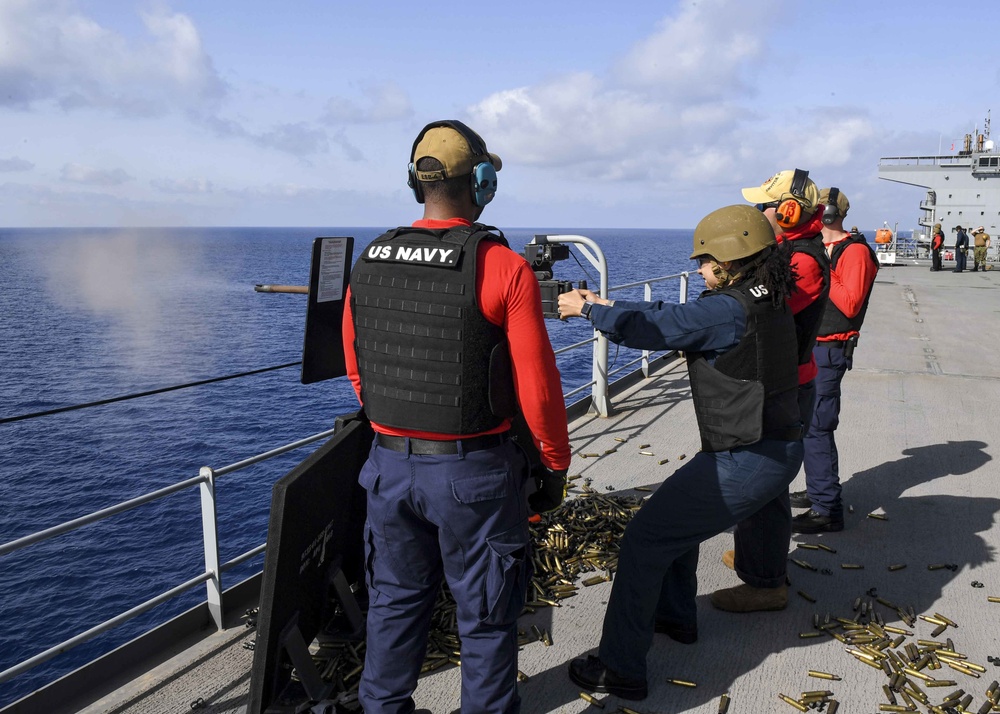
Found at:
<point>674,96</point>
<point>78,173</point>
<point>15,163</point>
<point>51,52</point>
<point>298,139</point>
<point>189,186</point>
<point>384,102</point>
<point>701,53</point>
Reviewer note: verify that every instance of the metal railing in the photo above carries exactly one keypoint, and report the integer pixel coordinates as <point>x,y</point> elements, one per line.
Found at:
<point>205,481</point>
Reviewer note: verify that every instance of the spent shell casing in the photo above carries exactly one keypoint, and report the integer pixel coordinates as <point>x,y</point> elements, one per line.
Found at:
<point>662,461</point>
<point>681,682</point>
<point>987,705</point>
<point>807,635</point>
<point>992,598</point>
<point>682,457</point>
<point>938,630</point>
<point>589,456</point>
<point>610,451</point>
<point>803,564</point>
<point>626,710</point>
<point>918,674</point>
<point>933,619</point>
<point>878,516</point>
<point>966,701</point>
<point>992,689</point>
<point>940,683</point>
<point>591,700</point>
<point>724,704</point>
<point>806,596</point>
<point>945,620</point>
<point>852,566</point>
<point>644,446</point>
<point>621,439</point>
<point>646,453</point>
<point>857,604</point>
<point>937,566</point>
<point>889,694</point>
<point>522,677</point>
<point>897,566</point>
<point>897,630</point>
<point>807,546</point>
<point>832,707</point>
<point>823,675</point>
<point>894,708</point>
<point>792,702</point>
<point>827,548</point>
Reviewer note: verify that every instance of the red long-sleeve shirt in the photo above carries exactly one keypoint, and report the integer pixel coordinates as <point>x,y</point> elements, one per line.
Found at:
<point>508,295</point>
<point>850,283</point>
<point>808,283</point>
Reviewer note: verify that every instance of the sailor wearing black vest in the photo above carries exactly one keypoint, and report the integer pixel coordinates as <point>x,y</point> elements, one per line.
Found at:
<point>444,342</point>
<point>740,342</point>
<point>853,266</point>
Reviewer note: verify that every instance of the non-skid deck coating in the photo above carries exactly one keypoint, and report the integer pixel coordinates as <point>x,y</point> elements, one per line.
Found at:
<point>917,443</point>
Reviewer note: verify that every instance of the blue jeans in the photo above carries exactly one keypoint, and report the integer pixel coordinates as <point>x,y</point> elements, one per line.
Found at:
<point>463,517</point>
<point>821,459</point>
<point>656,576</point>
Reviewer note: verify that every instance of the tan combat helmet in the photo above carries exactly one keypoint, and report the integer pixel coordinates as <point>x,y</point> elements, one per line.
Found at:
<point>732,233</point>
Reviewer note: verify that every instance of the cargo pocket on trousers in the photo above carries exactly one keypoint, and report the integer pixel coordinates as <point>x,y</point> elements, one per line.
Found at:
<point>507,576</point>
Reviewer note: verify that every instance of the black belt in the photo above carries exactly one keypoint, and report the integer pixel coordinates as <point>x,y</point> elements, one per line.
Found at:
<point>433,446</point>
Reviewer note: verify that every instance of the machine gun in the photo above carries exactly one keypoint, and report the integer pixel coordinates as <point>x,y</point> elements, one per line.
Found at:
<point>541,256</point>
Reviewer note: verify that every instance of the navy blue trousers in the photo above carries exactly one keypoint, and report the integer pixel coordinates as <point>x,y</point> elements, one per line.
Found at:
<point>657,566</point>
<point>960,260</point>
<point>462,517</point>
<point>821,460</point>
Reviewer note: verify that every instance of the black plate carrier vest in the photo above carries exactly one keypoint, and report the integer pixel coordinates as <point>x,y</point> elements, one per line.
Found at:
<point>836,322</point>
<point>427,357</point>
<point>751,392</point>
<point>807,321</point>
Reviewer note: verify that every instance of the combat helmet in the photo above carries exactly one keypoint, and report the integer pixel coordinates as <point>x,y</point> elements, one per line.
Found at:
<point>732,233</point>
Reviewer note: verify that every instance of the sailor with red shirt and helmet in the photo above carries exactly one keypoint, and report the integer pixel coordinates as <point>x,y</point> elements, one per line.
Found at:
<point>853,266</point>
<point>789,200</point>
<point>444,341</point>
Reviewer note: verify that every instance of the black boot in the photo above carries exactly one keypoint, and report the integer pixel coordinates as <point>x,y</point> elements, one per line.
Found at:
<point>813,522</point>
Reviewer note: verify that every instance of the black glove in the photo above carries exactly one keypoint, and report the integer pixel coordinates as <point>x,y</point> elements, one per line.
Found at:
<point>551,491</point>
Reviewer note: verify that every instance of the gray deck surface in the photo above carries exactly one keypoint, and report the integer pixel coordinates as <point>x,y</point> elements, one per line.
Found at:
<point>916,442</point>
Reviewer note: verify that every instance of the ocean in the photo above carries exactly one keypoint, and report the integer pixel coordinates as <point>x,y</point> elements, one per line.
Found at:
<point>91,314</point>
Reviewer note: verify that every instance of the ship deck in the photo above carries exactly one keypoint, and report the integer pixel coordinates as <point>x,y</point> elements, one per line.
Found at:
<point>919,417</point>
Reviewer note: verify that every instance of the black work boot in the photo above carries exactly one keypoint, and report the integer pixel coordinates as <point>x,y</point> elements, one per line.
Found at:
<point>800,499</point>
<point>594,676</point>
<point>814,522</point>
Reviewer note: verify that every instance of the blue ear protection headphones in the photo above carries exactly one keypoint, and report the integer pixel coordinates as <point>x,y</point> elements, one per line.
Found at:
<point>831,211</point>
<point>483,177</point>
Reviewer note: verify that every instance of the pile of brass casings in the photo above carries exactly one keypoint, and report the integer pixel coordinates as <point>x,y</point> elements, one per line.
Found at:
<point>911,667</point>
<point>578,538</point>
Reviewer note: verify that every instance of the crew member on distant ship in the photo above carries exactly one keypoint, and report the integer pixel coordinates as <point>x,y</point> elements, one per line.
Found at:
<point>853,266</point>
<point>982,239</point>
<point>937,242</point>
<point>741,346</point>
<point>444,340</point>
<point>961,248</point>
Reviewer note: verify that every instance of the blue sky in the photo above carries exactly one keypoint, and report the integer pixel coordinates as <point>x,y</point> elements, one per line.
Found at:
<point>638,114</point>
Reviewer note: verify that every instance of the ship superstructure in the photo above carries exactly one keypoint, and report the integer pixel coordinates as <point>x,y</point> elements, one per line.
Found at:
<point>963,189</point>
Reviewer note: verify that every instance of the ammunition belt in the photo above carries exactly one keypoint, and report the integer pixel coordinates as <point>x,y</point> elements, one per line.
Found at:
<point>433,446</point>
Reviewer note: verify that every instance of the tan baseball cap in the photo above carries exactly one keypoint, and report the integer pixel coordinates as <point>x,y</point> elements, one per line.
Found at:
<point>843,205</point>
<point>448,146</point>
<point>779,188</point>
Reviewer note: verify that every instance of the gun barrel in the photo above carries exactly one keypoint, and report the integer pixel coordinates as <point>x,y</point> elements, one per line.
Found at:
<point>299,289</point>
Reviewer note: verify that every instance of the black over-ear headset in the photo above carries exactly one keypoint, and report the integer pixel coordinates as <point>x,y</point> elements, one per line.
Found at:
<point>789,211</point>
<point>831,211</point>
<point>483,177</point>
